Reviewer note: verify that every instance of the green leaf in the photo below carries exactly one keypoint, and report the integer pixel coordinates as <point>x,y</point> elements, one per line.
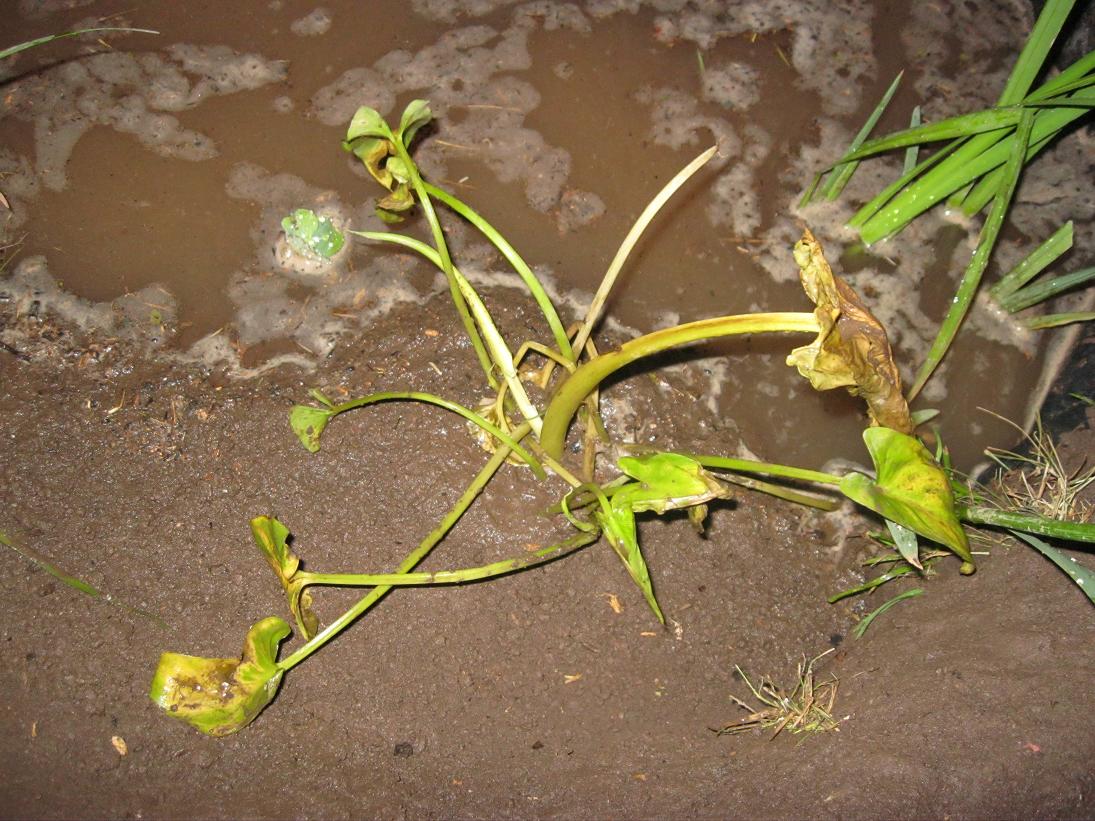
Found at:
<point>272,537</point>
<point>911,489</point>
<point>312,235</point>
<point>308,423</point>
<point>221,696</point>
<point>618,525</point>
<point>367,122</point>
<point>415,115</point>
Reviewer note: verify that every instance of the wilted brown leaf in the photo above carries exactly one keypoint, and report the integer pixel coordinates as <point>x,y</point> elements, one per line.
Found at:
<point>851,350</point>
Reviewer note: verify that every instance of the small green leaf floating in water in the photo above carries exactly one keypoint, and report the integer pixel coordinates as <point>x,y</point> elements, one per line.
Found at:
<point>311,235</point>
<point>911,489</point>
<point>221,696</point>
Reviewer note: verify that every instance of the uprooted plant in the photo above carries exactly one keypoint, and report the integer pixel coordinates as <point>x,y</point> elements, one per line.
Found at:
<point>909,489</point>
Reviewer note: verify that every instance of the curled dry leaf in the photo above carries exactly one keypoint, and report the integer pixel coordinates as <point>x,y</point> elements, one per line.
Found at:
<point>851,350</point>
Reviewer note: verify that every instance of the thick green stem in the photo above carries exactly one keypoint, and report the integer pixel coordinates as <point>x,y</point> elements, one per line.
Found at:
<point>496,461</point>
<point>1029,523</point>
<point>586,378</point>
<point>467,574</point>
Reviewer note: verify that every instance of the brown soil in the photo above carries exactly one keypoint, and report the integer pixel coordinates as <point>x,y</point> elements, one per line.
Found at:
<point>527,696</point>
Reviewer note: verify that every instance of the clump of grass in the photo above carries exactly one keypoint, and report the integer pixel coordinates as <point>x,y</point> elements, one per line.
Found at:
<point>808,708</point>
<point>1040,483</point>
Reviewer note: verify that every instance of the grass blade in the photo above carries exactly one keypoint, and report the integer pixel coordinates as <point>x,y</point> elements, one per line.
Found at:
<point>41,41</point>
<point>1033,56</point>
<point>1071,78</point>
<point>843,171</point>
<point>1083,576</point>
<point>974,158</point>
<point>967,288</point>
<point>73,582</point>
<point>1056,320</point>
<point>895,573</point>
<point>1034,263</point>
<point>861,628</point>
<point>912,151</point>
<point>984,190</point>
<point>1041,291</point>
<point>890,191</point>
<point>965,125</point>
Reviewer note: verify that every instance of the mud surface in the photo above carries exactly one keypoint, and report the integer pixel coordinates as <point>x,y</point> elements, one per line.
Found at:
<point>524,697</point>
<point>152,343</point>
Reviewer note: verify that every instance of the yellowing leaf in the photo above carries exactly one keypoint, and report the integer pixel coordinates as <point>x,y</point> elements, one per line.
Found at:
<point>911,489</point>
<point>851,350</point>
<point>272,536</point>
<point>221,696</point>
<point>308,423</point>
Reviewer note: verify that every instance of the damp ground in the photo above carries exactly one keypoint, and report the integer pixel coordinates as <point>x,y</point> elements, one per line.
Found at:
<point>528,697</point>
<point>153,342</point>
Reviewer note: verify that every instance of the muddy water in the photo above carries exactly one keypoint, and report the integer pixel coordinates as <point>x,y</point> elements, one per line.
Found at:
<point>159,167</point>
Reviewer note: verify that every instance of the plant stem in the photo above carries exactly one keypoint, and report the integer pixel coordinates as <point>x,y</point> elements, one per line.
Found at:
<point>467,413</point>
<point>645,218</point>
<point>587,377</point>
<point>445,261</point>
<point>496,461</point>
<point>467,574</point>
<point>499,351</point>
<point>519,265</point>
<point>749,466</point>
<point>1028,522</point>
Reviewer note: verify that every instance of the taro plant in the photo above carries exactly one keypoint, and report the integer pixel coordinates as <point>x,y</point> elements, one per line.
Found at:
<point>908,488</point>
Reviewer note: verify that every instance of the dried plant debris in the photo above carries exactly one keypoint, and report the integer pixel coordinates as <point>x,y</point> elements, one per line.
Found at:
<point>808,708</point>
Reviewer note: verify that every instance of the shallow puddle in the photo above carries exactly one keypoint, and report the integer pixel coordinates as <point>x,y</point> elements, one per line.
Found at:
<point>159,166</point>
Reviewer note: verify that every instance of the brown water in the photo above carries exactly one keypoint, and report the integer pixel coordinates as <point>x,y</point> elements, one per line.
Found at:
<point>537,123</point>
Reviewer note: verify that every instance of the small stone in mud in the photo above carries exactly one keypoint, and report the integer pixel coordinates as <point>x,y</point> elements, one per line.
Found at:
<point>403,749</point>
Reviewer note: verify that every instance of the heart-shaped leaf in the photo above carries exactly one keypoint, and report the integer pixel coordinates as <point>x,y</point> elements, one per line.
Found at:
<point>308,423</point>
<point>272,537</point>
<point>911,489</point>
<point>851,350</point>
<point>222,696</point>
